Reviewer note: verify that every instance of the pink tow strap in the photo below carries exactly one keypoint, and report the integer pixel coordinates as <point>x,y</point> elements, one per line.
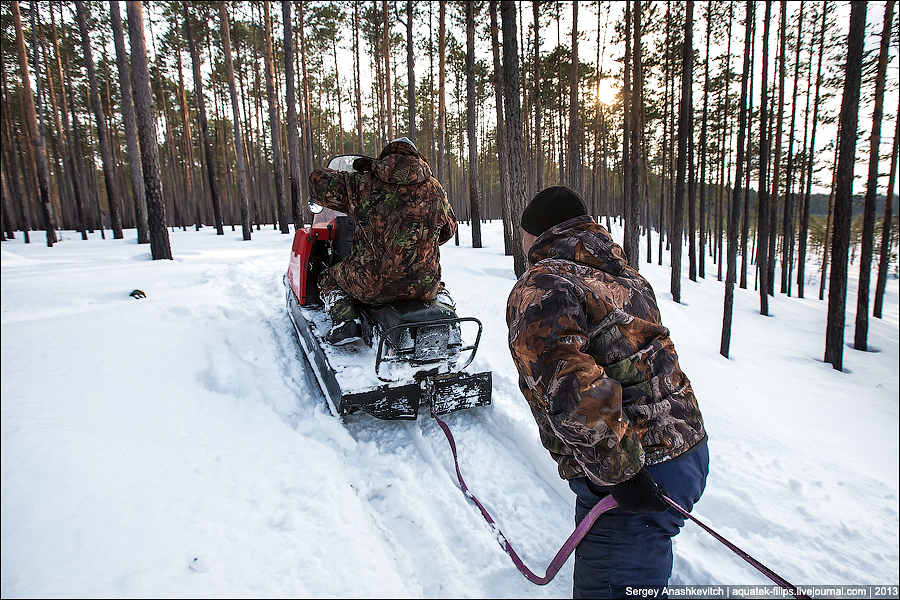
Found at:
<point>607,503</point>
<point>781,581</point>
<point>604,505</point>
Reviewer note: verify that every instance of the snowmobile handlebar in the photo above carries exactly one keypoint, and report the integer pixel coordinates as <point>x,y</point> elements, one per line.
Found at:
<point>472,348</point>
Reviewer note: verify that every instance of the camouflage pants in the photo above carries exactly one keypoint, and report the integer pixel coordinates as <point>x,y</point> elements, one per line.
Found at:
<point>347,283</point>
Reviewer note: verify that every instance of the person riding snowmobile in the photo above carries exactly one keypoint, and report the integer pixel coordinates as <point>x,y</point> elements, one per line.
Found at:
<point>402,216</point>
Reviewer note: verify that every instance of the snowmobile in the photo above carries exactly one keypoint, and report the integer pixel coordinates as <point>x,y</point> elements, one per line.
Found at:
<point>413,354</point>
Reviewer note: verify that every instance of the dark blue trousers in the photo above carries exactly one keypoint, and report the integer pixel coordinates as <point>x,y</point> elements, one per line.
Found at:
<point>627,549</point>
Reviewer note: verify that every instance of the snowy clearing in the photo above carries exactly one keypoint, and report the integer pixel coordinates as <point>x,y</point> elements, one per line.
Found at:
<point>175,446</point>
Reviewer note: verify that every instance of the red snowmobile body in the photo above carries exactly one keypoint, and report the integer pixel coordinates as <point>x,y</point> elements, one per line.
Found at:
<point>413,353</point>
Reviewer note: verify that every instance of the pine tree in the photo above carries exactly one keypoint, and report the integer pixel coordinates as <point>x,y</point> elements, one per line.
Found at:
<point>71,160</point>
<point>442,105</point>
<point>762,223</point>
<point>205,144</point>
<point>860,339</point>
<point>291,101</point>
<point>701,254</point>
<point>632,221</point>
<point>146,126</point>
<point>502,153</point>
<point>735,208</point>
<point>804,217</point>
<point>386,46</point>
<point>538,135</point>
<point>34,133</point>
<point>574,162</point>
<point>109,168</point>
<point>236,122</point>
<point>787,235</point>
<point>275,124</point>
<point>684,116</point>
<point>840,244</point>
<point>474,209</point>
<point>513,113</point>
<point>884,260</point>
<point>410,72</point>
<point>131,135</point>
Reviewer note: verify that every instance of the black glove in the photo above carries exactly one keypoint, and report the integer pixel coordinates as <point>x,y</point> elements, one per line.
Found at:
<point>638,494</point>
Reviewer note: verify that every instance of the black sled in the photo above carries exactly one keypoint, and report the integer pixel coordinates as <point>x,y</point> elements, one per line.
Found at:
<point>413,354</point>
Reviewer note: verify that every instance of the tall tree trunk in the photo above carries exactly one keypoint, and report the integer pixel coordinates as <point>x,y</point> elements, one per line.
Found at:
<point>668,81</point>
<point>803,147</point>
<point>12,166</point>
<point>78,153</point>
<point>684,116</point>
<point>860,338</point>
<point>884,259</point>
<point>843,199</point>
<point>34,132</point>
<point>430,104</point>
<point>725,170</point>
<point>356,80</point>
<point>442,104</point>
<point>513,110</point>
<point>776,176</point>
<point>787,232</point>
<point>75,176</point>
<point>146,126</point>
<point>626,130</point>
<point>804,218</point>
<point>762,244</point>
<point>236,114</point>
<point>410,72</point>
<point>746,257</point>
<point>307,123</point>
<point>247,139</point>
<point>574,166</point>
<point>701,254</point>
<point>57,139</point>
<point>109,167</point>
<point>632,221</point>
<point>131,134</point>
<point>6,226</point>
<point>275,124</point>
<point>206,145</point>
<point>502,152</point>
<point>735,208</point>
<point>187,147</point>
<point>538,136</point>
<point>386,47</point>
<point>291,101</point>
<point>474,209</point>
<point>692,184</point>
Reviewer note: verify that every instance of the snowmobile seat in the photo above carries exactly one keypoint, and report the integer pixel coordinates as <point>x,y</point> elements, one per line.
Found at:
<point>409,312</point>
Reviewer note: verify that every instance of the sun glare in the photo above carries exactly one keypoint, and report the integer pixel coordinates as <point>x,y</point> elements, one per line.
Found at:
<point>607,91</point>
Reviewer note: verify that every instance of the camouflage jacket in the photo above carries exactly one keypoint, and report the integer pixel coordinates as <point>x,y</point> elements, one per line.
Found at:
<point>402,215</point>
<point>596,365</point>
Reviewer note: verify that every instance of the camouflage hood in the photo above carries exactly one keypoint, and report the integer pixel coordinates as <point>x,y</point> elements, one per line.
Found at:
<point>582,241</point>
<point>401,164</point>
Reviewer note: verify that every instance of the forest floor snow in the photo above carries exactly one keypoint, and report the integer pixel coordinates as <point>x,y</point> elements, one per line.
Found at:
<point>176,446</point>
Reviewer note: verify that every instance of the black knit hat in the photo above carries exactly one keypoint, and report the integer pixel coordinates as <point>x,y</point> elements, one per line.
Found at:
<point>551,206</point>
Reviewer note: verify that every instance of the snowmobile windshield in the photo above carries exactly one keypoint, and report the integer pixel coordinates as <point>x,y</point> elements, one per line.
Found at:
<point>344,162</point>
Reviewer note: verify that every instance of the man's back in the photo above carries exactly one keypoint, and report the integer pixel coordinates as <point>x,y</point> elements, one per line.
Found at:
<point>596,365</point>
<point>402,215</point>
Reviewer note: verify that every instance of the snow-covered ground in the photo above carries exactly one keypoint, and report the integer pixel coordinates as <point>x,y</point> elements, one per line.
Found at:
<point>175,446</point>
